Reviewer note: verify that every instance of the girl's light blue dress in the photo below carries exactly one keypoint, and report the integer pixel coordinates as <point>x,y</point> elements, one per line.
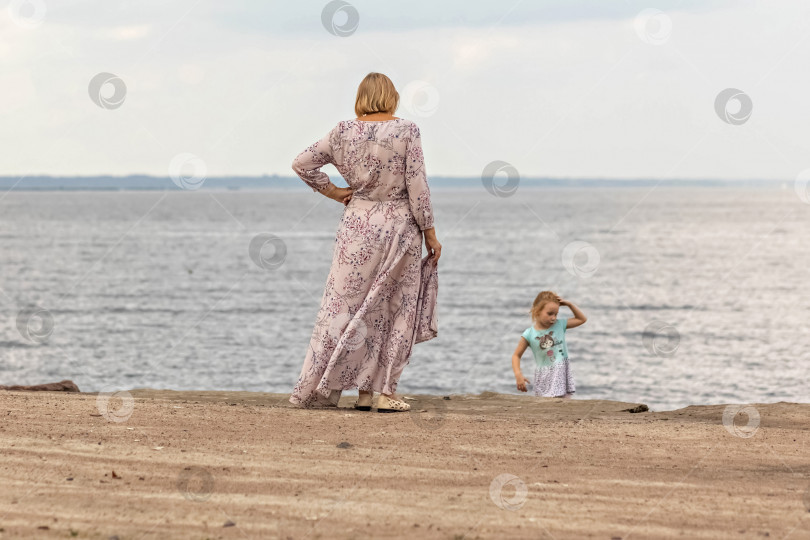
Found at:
<point>552,375</point>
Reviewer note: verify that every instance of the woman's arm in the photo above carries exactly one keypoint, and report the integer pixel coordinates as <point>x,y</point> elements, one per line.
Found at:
<point>308,163</point>
<point>416,181</point>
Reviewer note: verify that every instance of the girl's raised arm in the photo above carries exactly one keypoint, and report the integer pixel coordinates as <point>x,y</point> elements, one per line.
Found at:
<point>579,317</point>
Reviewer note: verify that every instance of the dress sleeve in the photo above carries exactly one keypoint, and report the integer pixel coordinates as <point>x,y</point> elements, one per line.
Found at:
<point>308,163</point>
<point>416,181</point>
<point>527,335</point>
<point>564,323</point>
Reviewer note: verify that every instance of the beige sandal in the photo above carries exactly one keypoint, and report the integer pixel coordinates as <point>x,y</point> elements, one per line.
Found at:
<point>385,404</point>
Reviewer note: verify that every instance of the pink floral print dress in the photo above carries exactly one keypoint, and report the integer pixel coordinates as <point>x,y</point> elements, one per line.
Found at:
<point>380,295</point>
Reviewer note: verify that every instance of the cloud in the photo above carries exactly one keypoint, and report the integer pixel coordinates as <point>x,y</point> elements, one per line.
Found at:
<point>18,91</point>
<point>304,16</point>
<point>238,85</point>
<point>124,33</point>
<point>470,51</point>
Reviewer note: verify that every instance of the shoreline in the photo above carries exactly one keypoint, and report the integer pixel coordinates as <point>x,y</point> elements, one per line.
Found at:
<point>223,464</point>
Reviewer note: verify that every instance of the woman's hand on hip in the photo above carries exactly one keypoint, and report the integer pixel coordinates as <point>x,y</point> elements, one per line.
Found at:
<point>340,194</point>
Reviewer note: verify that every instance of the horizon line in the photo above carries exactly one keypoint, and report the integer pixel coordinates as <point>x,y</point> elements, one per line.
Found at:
<point>431,177</point>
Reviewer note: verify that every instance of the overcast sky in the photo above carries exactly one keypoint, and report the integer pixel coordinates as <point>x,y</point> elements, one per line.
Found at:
<point>596,89</point>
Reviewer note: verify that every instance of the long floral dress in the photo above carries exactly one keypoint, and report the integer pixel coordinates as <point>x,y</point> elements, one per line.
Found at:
<point>380,295</point>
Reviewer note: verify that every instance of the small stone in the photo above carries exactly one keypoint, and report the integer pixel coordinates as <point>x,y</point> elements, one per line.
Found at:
<point>344,444</point>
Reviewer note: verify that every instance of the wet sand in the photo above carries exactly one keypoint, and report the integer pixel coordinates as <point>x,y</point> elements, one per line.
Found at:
<point>167,464</point>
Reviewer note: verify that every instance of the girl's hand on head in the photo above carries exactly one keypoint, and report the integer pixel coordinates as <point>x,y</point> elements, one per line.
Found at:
<point>561,301</point>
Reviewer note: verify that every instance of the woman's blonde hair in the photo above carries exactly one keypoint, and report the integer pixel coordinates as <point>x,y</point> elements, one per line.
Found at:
<point>541,300</point>
<point>376,93</point>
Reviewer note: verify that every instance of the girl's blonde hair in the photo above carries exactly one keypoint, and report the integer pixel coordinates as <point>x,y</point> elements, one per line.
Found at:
<point>376,93</point>
<point>541,300</point>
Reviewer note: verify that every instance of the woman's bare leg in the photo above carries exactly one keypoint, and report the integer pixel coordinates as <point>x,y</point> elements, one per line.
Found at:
<point>392,397</point>
<point>389,396</point>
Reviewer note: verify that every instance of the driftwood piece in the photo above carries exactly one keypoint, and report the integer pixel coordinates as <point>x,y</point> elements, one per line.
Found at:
<point>61,386</point>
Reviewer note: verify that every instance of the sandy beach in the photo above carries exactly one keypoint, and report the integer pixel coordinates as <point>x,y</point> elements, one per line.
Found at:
<point>166,464</point>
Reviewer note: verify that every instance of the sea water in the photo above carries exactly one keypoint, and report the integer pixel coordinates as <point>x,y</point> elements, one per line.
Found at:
<point>694,295</point>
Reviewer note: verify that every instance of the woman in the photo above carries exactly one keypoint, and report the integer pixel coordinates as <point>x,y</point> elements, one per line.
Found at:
<point>380,296</point>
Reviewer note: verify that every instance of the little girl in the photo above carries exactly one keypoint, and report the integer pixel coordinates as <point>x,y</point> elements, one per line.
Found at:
<point>546,337</point>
